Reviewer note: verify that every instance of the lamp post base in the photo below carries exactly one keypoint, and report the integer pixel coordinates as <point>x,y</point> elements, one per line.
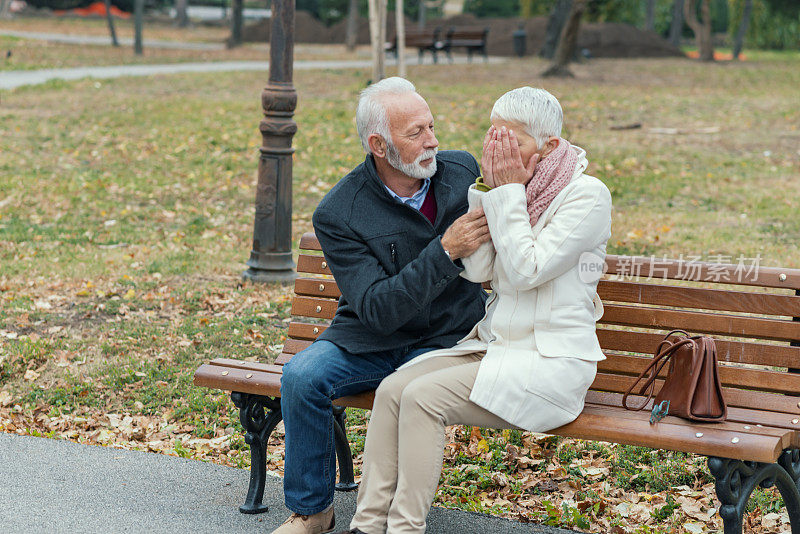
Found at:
<point>264,276</point>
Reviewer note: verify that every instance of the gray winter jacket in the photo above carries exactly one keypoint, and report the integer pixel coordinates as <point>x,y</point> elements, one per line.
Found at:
<point>399,288</point>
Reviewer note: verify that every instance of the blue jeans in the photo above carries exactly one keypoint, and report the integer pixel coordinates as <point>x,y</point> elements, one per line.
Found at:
<point>310,381</point>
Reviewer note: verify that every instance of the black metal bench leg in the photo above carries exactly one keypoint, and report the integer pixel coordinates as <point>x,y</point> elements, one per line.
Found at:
<point>259,416</point>
<point>343,454</point>
<point>736,480</point>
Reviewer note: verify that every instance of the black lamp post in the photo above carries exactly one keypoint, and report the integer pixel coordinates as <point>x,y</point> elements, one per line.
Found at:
<point>271,257</point>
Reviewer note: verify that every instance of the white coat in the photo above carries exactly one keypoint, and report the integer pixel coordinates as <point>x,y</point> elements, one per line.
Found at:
<point>539,328</point>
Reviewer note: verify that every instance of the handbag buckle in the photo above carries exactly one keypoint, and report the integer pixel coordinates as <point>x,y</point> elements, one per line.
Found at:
<point>659,412</point>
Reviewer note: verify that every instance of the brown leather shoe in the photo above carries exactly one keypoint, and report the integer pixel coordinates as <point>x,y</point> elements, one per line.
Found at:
<point>308,524</point>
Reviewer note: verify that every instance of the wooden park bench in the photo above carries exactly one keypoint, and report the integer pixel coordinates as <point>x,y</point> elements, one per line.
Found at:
<point>471,39</point>
<point>423,40</point>
<point>752,312</point>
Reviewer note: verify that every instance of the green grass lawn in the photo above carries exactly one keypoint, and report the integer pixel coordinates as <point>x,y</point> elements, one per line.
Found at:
<point>126,210</point>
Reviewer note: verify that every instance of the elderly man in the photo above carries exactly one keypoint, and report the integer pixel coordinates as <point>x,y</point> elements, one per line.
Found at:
<point>393,231</point>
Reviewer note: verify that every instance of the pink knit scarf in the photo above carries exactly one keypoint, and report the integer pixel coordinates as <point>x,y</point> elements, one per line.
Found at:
<point>552,174</point>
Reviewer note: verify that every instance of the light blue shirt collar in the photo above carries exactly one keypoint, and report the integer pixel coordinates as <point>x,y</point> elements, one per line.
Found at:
<point>417,199</point>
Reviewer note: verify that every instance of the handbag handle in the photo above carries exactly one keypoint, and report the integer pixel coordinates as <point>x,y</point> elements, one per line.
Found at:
<point>661,358</point>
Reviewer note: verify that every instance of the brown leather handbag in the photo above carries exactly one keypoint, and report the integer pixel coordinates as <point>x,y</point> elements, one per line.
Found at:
<point>692,388</point>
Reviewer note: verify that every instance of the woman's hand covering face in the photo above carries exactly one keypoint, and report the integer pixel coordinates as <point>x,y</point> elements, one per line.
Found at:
<point>501,160</point>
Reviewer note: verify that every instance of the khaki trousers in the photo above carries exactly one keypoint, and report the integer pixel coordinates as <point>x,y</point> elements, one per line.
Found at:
<point>405,441</point>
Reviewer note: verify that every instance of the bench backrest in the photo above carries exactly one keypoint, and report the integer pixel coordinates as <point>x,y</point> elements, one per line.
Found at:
<point>421,37</point>
<point>752,312</point>
<point>467,34</point>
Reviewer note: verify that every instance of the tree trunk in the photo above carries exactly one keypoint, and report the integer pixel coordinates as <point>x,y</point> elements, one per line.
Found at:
<point>111,29</point>
<point>421,15</point>
<point>740,33</point>
<point>555,25</point>
<point>566,44</point>
<point>526,8</point>
<point>400,26</point>
<point>181,16</point>
<point>676,28</point>
<point>5,8</point>
<point>138,15</point>
<point>377,34</point>
<point>351,36</point>
<point>650,16</point>
<point>701,29</point>
<point>237,13</point>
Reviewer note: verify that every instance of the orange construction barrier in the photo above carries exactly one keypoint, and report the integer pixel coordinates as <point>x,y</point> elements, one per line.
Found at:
<point>96,8</point>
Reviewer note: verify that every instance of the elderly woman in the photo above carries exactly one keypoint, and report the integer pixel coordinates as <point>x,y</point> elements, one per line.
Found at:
<point>529,362</point>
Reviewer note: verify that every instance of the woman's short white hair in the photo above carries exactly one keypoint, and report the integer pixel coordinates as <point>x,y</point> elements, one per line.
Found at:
<point>535,109</point>
<point>371,115</point>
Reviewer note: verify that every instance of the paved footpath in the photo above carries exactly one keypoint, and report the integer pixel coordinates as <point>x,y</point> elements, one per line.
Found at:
<point>68,38</point>
<point>58,486</point>
<point>19,78</point>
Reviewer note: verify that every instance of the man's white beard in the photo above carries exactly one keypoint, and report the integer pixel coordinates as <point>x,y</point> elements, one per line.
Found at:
<point>414,169</point>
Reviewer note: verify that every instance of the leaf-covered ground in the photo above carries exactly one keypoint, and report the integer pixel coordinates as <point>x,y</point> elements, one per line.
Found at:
<point>126,211</point>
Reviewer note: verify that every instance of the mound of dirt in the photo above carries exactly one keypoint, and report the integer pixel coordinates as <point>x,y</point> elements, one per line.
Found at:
<point>600,39</point>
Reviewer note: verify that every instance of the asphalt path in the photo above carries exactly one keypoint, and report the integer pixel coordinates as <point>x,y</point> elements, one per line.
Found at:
<point>18,78</point>
<point>68,38</point>
<point>58,486</point>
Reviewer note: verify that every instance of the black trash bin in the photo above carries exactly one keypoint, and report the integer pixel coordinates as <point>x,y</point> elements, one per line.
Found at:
<point>519,37</point>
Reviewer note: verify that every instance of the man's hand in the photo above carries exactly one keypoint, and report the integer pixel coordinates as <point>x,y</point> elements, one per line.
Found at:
<point>466,234</point>
<point>507,164</point>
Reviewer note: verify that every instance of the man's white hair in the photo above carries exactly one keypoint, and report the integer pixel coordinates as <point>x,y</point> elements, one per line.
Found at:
<point>535,109</point>
<point>371,115</point>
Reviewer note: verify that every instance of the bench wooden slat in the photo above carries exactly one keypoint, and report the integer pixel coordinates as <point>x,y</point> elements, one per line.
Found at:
<point>628,367</point>
<point>312,264</point>
<point>293,346</point>
<point>244,364</point>
<point>734,397</point>
<point>605,424</point>
<point>260,382</point>
<point>327,287</point>
<point>308,331</point>
<point>737,377</point>
<point>727,350</point>
<point>235,379</point>
<point>636,316</point>
<point>660,269</point>
<point>695,297</point>
<point>742,416</point>
<point>314,307</point>
<point>309,241</point>
<point>699,322</point>
<point>316,287</point>
<point>642,342</point>
<point>730,426</point>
